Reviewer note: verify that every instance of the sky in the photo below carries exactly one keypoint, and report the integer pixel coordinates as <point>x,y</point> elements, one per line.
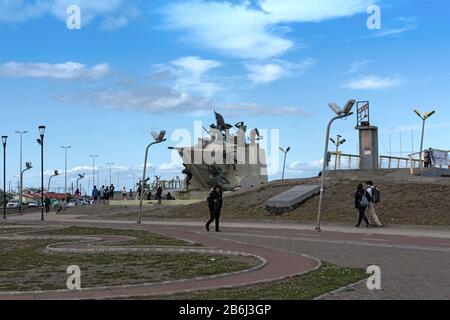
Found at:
<point>139,66</point>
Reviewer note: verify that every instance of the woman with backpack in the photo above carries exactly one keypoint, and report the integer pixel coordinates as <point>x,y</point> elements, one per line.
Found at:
<point>361,203</point>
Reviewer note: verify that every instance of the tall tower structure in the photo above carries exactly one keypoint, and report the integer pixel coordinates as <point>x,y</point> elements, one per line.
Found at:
<point>368,138</point>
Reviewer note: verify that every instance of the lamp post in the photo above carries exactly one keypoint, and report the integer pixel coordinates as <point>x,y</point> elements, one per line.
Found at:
<point>55,174</point>
<point>4,139</point>
<point>284,163</point>
<point>338,142</point>
<point>340,114</point>
<point>65,170</point>
<point>110,164</point>
<point>93,156</point>
<point>80,177</point>
<point>21,133</point>
<point>41,143</point>
<point>134,181</point>
<point>158,139</point>
<point>424,118</point>
<point>28,166</point>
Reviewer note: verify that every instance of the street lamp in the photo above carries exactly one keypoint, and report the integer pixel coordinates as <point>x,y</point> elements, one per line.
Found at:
<point>41,143</point>
<point>4,139</point>
<point>424,118</point>
<point>55,174</point>
<point>338,142</point>
<point>28,166</point>
<point>110,165</point>
<point>158,139</point>
<point>284,163</point>
<point>80,177</point>
<point>65,170</point>
<point>93,156</point>
<point>21,133</point>
<point>340,114</point>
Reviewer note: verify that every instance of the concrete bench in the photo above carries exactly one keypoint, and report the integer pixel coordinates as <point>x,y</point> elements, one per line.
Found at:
<point>291,199</point>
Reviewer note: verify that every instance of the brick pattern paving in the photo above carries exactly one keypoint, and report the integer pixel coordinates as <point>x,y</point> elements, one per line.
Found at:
<point>407,273</point>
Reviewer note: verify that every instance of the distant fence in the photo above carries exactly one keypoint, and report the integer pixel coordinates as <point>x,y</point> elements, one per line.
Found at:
<point>342,161</point>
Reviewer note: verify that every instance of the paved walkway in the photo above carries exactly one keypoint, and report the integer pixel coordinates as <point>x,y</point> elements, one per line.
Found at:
<point>414,261</point>
<point>277,264</point>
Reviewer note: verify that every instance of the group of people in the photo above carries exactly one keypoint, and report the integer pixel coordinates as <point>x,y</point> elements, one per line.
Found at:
<point>104,194</point>
<point>158,195</point>
<point>366,199</point>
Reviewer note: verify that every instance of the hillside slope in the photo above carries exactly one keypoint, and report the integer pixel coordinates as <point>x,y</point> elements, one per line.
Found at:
<point>402,203</point>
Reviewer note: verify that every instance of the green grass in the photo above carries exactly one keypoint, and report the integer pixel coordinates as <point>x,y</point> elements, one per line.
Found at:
<point>143,238</point>
<point>25,266</point>
<point>304,287</point>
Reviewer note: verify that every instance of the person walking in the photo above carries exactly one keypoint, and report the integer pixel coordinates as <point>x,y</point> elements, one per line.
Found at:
<point>111,192</point>
<point>159,194</point>
<point>95,194</point>
<point>215,203</point>
<point>427,158</point>
<point>361,204</point>
<point>107,196</point>
<point>373,195</point>
<point>131,194</point>
<point>102,194</point>
<point>124,193</point>
<point>47,204</point>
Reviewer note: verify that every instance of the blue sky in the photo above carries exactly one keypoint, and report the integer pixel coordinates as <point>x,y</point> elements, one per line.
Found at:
<point>138,66</point>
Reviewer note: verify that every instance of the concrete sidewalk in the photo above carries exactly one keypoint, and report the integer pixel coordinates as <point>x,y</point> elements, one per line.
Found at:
<point>394,230</point>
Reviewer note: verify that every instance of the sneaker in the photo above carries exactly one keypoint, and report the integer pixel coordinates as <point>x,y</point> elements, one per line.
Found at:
<point>207,228</point>
<point>380,226</point>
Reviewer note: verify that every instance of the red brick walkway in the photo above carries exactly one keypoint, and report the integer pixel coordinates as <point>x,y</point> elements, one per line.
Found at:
<point>280,265</point>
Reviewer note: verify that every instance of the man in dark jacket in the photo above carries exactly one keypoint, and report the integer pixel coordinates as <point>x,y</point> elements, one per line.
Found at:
<point>215,203</point>
<point>159,194</point>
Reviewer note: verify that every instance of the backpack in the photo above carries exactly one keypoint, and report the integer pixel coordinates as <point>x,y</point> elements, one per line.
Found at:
<point>376,195</point>
<point>364,202</point>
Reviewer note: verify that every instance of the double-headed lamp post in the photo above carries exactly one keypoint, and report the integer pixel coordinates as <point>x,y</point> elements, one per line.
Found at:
<point>28,166</point>
<point>340,114</point>
<point>110,164</point>
<point>338,142</point>
<point>93,156</point>
<point>4,140</point>
<point>21,133</point>
<point>158,139</point>
<point>80,177</point>
<point>284,163</point>
<point>424,118</point>
<point>41,143</point>
<point>55,174</point>
<point>65,170</point>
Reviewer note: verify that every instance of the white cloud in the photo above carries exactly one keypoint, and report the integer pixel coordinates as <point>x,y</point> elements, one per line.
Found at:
<point>63,71</point>
<point>256,110</point>
<point>373,82</point>
<point>171,167</point>
<point>114,13</point>
<point>191,75</point>
<point>299,167</point>
<point>408,24</point>
<point>357,66</point>
<point>142,98</point>
<point>16,11</point>
<point>245,31</point>
<point>265,73</point>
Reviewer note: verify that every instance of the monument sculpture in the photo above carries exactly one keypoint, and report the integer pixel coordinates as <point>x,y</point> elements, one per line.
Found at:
<point>227,158</point>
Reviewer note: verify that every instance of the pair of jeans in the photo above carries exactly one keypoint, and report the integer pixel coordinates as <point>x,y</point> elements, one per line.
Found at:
<point>362,216</point>
<point>215,215</point>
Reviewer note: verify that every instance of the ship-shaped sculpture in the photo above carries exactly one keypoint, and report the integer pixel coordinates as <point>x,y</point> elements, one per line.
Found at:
<point>224,159</point>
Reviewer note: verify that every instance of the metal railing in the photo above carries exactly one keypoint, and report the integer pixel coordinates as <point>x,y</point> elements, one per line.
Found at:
<point>342,161</point>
